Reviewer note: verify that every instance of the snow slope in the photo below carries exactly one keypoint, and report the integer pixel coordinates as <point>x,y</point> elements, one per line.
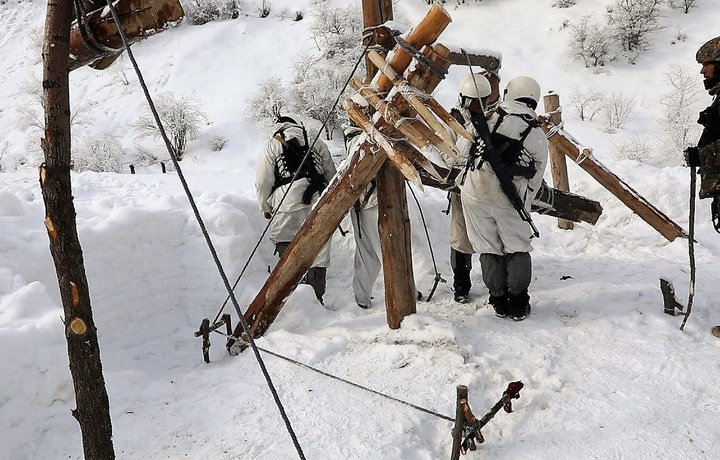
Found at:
<point>607,374</point>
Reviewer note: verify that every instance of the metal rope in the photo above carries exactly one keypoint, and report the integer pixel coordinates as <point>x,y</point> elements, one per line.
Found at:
<point>208,240</point>
<point>438,277</point>
<point>356,385</point>
<point>302,163</point>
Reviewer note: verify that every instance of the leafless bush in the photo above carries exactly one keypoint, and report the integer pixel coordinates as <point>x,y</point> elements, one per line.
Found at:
<point>181,117</point>
<point>100,153</point>
<point>617,110</point>
<point>564,3</point>
<point>637,149</point>
<point>269,102</point>
<point>587,102</point>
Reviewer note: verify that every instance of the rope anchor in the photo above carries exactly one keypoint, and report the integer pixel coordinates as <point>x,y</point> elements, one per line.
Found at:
<point>206,329</point>
<point>467,426</point>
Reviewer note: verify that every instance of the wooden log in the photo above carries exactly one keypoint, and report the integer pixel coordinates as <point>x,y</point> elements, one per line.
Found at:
<point>632,199</point>
<point>558,166</point>
<point>139,19</point>
<point>425,33</point>
<point>395,240</point>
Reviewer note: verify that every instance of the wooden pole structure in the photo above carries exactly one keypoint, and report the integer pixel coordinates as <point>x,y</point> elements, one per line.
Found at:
<point>632,199</point>
<point>558,165</point>
<point>394,221</point>
<point>457,431</point>
<point>99,44</point>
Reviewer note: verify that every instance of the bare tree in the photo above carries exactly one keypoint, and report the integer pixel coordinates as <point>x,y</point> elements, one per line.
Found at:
<point>93,407</point>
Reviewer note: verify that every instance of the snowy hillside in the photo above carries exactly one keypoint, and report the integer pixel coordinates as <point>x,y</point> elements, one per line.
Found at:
<point>607,374</point>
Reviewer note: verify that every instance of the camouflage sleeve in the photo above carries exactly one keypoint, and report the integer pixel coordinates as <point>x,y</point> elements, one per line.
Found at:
<point>710,170</point>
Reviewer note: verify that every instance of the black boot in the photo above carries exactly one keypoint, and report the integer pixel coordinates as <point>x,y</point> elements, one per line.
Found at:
<point>500,305</point>
<point>316,277</point>
<point>519,305</point>
<point>461,265</point>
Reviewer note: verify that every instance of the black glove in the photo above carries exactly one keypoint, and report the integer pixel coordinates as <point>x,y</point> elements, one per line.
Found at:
<point>692,156</point>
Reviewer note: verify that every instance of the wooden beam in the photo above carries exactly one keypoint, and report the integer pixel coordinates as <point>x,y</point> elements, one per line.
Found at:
<point>632,199</point>
<point>558,166</point>
<point>139,19</point>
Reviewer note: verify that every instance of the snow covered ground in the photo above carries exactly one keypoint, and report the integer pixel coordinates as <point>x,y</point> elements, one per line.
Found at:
<point>607,374</point>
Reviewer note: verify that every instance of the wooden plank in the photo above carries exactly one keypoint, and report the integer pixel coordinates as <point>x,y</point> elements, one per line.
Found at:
<point>632,199</point>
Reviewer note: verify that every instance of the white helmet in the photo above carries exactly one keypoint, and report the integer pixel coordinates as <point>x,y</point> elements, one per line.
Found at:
<point>475,86</point>
<point>523,88</point>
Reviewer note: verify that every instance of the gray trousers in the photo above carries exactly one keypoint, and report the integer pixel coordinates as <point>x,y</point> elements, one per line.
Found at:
<point>509,273</point>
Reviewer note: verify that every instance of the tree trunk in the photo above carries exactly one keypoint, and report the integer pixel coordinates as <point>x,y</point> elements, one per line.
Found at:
<point>93,408</point>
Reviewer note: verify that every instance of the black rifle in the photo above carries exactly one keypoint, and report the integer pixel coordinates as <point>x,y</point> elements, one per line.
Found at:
<point>492,155</point>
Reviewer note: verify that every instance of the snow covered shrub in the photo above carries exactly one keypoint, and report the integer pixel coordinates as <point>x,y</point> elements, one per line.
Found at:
<point>217,143</point>
<point>263,8</point>
<point>679,112</point>
<point>636,149</point>
<point>200,12</point>
<point>587,102</point>
<point>316,89</point>
<point>181,117</point>
<point>590,42</point>
<point>269,102</point>
<point>101,153</point>
<point>564,3</point>
<point>685,5</point>
<point>633,22</point>
<point>616,111</point>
